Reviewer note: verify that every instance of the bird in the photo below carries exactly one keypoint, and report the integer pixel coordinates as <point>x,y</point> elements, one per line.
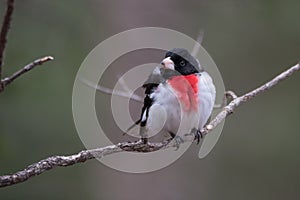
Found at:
<point>177,90</point>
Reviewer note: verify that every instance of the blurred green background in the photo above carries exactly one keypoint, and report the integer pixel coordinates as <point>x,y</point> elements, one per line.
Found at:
<point>257,156</point>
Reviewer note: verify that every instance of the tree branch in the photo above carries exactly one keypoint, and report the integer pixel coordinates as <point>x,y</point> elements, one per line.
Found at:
<point>4,31</point>
<point>6,81</point>
<point>64,161</point>
<point>227,110</point>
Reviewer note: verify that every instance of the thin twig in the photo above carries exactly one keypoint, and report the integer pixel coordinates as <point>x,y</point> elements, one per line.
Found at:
<point>55,161</point>
<point>124,85</point>
<point>125,94</point>
<point>4,31</point>
<point>199,41</point>
<point>6,81</point>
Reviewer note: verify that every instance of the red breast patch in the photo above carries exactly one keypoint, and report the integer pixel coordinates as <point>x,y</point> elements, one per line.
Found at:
<point>186,88</point>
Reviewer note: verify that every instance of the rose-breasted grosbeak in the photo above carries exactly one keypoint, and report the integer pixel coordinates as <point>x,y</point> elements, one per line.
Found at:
<point>179,89</point>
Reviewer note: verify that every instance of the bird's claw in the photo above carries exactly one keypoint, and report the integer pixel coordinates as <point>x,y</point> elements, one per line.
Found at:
<point>197,135</point>
<point>144,140</point>
<point>177,141</point>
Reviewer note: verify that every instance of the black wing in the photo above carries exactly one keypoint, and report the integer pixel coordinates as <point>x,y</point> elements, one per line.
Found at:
<point>154,79</point>
<point>158,76</point>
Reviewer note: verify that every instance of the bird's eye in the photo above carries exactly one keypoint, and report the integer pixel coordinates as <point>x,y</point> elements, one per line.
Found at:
<point>182,63</point>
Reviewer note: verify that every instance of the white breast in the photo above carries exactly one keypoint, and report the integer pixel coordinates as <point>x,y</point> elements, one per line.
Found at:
<point>166,114</point>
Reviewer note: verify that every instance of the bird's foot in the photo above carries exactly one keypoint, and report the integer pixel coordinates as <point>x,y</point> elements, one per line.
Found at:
<point>197,135</point>
<point>177,141</point>
<point>144,140</point>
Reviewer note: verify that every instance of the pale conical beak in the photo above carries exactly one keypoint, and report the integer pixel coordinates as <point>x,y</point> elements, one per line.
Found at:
<point>168,63</point>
